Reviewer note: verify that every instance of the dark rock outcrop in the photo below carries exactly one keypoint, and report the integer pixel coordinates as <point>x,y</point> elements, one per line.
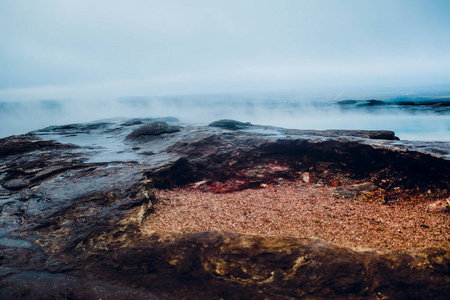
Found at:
<point>439,105</point>
<point>77,128</point>
<point>240,266</point>
<point>373,102</point>
<point>231,266</point>
<point>139,121</point>
<point>72,215</point>
<point>230,124</point>
<point>367,134</point>
<point>15,145</point>
<point>153,128</point>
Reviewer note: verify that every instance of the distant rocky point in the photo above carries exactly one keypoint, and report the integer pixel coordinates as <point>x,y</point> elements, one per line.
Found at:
<point>441,105</point>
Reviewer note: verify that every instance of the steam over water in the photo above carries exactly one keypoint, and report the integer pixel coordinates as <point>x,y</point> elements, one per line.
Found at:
<point>409,122</point>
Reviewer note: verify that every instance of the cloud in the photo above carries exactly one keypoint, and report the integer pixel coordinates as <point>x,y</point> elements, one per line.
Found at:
<point>98,48</point>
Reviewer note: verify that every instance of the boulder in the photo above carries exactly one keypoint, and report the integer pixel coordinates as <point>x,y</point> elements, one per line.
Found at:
<point>230,124</point>
<point>439,206</point>
<point>16,184</point>
<point>152,129</point>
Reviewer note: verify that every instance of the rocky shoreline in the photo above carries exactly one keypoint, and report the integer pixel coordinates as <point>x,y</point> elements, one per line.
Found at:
<point>74,200</point>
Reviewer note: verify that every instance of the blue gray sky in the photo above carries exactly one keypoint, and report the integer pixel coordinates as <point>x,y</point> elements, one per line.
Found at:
<point>111,48</point>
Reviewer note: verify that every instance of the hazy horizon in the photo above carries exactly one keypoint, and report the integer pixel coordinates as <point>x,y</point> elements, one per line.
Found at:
<point>299,111</point>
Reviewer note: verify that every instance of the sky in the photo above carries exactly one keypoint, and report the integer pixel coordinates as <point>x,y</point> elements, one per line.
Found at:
<point>60,49</point>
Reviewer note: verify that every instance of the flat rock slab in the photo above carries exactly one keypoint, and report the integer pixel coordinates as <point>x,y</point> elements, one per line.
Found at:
<point>74,198</point>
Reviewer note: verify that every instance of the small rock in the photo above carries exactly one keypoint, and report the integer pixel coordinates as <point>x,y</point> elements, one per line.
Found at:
<point>305,177</point>
<point>439,206</point>
<point>199,184</point>
<point>16,184</point>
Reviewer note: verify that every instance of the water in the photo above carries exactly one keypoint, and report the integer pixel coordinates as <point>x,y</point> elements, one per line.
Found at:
<point>289,111</point>
<point>102,147</point>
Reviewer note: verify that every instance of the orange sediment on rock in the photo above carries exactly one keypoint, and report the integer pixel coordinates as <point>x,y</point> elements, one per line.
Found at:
<point>304,211</point>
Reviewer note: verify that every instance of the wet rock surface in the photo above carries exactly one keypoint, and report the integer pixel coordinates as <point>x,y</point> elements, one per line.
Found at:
<point>73,199</point>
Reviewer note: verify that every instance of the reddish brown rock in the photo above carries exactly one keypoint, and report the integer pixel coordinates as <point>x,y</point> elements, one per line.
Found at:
<point>440,206</point>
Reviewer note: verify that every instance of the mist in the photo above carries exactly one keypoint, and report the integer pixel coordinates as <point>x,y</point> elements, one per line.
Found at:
<point>88,55</point>
<point>300,111</point>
